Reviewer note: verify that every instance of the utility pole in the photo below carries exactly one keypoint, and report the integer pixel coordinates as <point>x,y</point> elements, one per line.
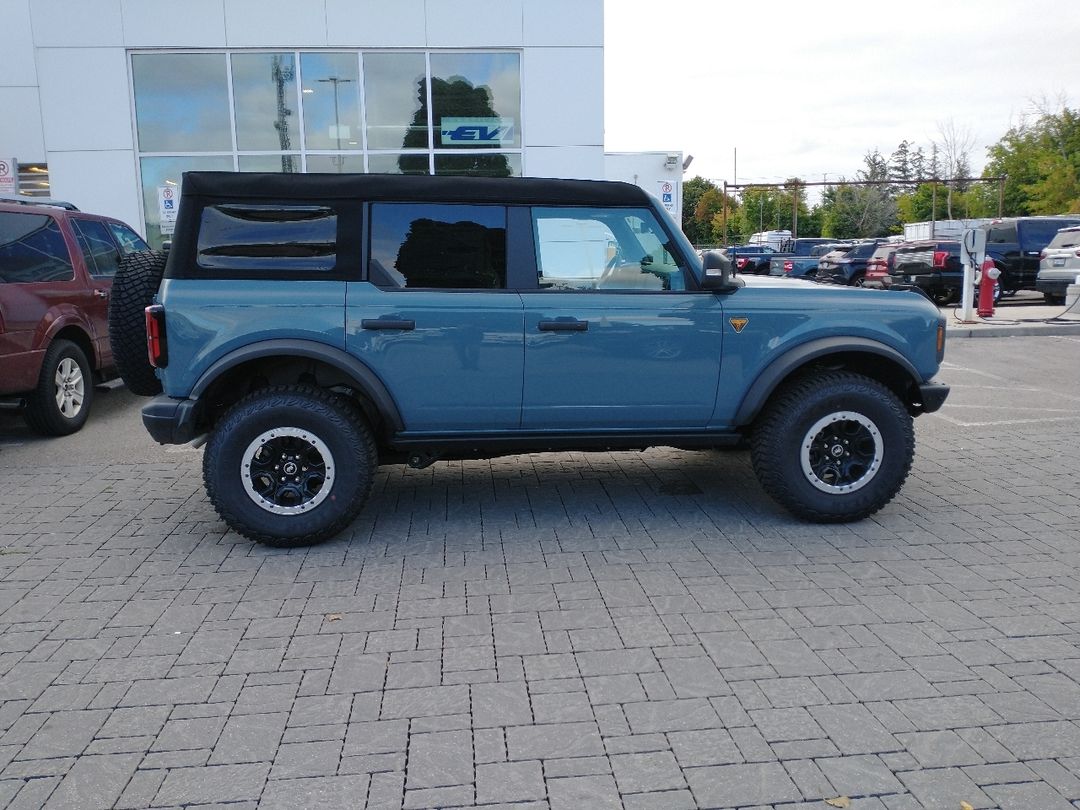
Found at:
<point>281,75</point>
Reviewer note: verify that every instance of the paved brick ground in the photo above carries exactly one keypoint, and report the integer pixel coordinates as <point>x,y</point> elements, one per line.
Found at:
<point>559,631</point>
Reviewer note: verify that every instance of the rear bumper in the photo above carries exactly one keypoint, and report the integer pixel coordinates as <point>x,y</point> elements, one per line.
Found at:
<point>1053,286</point>
<point>932,396</point>
<point>169,420</point>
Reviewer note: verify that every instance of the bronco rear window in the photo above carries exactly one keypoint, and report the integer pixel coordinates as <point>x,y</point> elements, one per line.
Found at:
<point>268,238</point>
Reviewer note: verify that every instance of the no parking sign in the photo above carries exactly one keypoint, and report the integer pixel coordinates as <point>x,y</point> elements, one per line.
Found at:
<point>667,194</point>
<point>9,176</point>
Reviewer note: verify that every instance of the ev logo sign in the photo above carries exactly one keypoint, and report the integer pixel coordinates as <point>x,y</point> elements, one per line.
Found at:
<point>477,131</point>
<point>9,176</point>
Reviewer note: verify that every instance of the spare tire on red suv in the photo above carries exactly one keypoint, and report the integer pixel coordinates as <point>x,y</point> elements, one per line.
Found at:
<point>137,280</point>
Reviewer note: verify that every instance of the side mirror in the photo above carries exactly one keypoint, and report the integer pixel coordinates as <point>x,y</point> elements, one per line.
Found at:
<point>719,276</point>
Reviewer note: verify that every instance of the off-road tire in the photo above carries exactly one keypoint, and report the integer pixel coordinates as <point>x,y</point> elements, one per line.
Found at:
<point>784,429</point>
<point>43,413</point>
<point>134,286</point>
<point>324,418</point>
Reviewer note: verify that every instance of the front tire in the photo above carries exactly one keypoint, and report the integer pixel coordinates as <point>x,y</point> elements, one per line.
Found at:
<point>290,465</point>
<point>61,402</point>
<point>833,447</point>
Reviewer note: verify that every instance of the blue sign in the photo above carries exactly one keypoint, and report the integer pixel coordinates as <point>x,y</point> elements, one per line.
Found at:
<point>477,131</point>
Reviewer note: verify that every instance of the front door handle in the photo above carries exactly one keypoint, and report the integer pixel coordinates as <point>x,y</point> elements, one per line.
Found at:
<point>387,323</point>
<point>564,325</point>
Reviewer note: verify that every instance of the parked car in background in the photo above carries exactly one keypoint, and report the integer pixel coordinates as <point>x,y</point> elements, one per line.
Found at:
<point>848,267</point>
<point>1016,244</point>
<point>798,265</point>
<point>1059,265</point>
<point>751,258</point>
<point>880,265</point>
<point>56,270</point>
<point>934,266</point>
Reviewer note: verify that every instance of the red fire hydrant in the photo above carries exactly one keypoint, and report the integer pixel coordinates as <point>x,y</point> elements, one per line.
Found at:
<point>988,277</point>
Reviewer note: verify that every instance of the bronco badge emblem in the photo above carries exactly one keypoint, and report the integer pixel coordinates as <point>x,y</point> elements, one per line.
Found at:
<point>738,323</point>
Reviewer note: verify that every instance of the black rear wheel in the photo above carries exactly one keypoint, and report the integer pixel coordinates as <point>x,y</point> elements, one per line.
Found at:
<point>137,280</point>
<point>290,465</point>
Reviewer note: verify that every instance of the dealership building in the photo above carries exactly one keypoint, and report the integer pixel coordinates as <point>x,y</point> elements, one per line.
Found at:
<point>107,102</point>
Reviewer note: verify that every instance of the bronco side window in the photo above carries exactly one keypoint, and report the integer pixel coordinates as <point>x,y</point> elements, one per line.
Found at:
<point>603,249</point>
<point>439,245</point>
<point>268,238</point>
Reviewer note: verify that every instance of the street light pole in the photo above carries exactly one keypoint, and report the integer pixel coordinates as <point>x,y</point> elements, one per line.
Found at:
<point>336,80</point>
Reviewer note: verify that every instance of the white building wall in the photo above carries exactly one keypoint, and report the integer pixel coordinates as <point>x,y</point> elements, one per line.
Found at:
<point>66,72</point>
<point>650,170</point>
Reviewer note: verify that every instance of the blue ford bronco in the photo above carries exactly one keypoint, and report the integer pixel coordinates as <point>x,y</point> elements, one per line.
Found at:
<point>311,327</point>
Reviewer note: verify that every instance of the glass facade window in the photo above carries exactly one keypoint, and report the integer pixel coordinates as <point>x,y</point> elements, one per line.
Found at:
<point>476,98</point>
<point>395,94</point>
<point>331,96</point>
<point>394,112</point>
<point>181,102</point>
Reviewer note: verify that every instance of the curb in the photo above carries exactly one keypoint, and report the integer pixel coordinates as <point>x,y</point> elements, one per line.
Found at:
<point>1025,330</point>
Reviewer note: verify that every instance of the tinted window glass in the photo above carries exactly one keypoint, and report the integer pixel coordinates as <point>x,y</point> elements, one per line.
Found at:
<point>99,252</point>
<point>127,239</point>
<point>1065,239</point>
<point>1001,235</point>
<point>32,248</point>
<point>1037,233</point>
<point>445,246</point>
<point>268,237</point>
<point>603,249</point>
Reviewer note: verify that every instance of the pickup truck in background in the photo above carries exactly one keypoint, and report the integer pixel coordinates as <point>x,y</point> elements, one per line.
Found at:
<point>934,266</point>
<point>1015,244</point>
<point>797,265</point>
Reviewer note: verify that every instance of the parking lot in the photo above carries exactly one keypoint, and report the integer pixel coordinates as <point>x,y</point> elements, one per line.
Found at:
<point>638,630</point>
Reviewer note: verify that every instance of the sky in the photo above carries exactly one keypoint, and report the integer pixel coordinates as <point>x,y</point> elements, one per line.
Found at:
<point>806,89</point>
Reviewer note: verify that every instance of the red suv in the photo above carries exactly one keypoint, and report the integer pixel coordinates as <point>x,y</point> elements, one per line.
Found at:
<point>56,271</point>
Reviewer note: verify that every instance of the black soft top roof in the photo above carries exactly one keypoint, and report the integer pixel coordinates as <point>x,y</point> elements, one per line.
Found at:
<point>242,186</point>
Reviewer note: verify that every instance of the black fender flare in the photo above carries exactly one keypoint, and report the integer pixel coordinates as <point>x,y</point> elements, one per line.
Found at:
<point>365,379</point>
<point>779,369</point>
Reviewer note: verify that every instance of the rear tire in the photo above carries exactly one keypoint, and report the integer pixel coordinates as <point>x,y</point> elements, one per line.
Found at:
<point>833,447</point>
<point>858,280</point>
<point>1054,300</point>
<point>137,280</point>
<point>61,402</point>
<point>290,465</point>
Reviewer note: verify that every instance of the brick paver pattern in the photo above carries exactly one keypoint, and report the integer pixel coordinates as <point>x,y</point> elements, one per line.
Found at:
<point>553,631</point>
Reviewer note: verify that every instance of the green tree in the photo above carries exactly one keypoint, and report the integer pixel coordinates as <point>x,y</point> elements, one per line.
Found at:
<point>697,231</point>
<point>850,211</point>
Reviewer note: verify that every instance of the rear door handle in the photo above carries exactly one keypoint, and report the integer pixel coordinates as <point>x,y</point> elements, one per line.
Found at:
<point>387,323</point>
<point>564,325</point>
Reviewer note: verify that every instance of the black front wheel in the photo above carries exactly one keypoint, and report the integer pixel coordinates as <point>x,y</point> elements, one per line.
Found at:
<point>833,447</point>
<point>290,465</point>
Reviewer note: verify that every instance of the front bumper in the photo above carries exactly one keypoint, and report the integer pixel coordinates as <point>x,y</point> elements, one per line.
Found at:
<point>169,420</point>
<point>932,396</point>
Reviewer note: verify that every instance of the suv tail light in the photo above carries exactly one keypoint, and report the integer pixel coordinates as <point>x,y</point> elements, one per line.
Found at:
<point>789,266</point>
<point>1042,254</point>
<point>157,348</point>
<point>741,262</point>
<point>940,257</point>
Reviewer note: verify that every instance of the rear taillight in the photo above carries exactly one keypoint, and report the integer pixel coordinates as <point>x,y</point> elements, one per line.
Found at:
<point>741,263</point>
<point>1042,254</point>
<point>1078,253</point>
<point>940,257</point>
<point>789,266</point>
<point>157,348</point>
